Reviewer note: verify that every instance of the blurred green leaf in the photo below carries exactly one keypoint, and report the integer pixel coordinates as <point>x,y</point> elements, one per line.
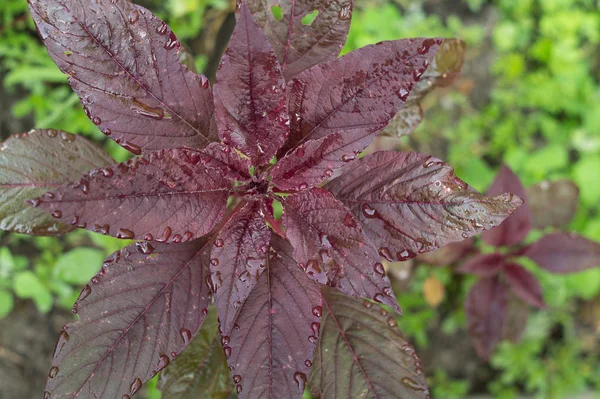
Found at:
<point>79,265</point>
<point>6,303</point>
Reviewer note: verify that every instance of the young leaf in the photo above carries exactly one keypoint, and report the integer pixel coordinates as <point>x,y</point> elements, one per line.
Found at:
<point>514,229</point>
<point>444,69</point>
<point>524,285</point>
<point>332,248</point>
<point>35,162</point>
<point>552,203</point>
<point>356,95</point>
<point>411,203</point>
<point>362,354</point>
<point>297,45</point>
<point>237,260</point>
<point>201,370</point>
<point>271,346</point>
<point>250,94</point>
<point>485,307</point>
<point>564,253</point>
<point>140,311</point>
<point>123,63</point>
<point>483,265</point>
<point>166,195</point>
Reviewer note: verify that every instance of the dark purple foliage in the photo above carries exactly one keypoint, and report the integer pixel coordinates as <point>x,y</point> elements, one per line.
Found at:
<point>290,116</point>
<point>555,252</point>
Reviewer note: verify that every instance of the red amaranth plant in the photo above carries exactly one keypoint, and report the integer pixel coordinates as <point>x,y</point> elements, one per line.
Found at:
<point>284,123</point>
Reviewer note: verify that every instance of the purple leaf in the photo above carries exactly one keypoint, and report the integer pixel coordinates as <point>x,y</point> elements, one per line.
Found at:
<point>563,253</point>
<point>552,203</point>
<point>299,45</point>
<point>483,265</point>
<point>411,203</point>
<point>444,69</point>
<point>524,285</point>
<point>238,259</point>
<point>35,162</point>
<point>250,94</point>
<point>514,229</point>
<point>135,316</point>
<point>515,321</point>
<point>271,347</point>
<point>123,63</point>
<point>362,354</point>
<point>485,307</point>
<point>331,247</point>
<point>167,195</point>
<point>356,95</point>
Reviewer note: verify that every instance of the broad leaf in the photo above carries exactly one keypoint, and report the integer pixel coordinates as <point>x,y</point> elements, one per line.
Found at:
<point>564,253</point>
<point>237,260</point>
<point>514,229</point>
<point>411,203</point>
<point>142,309</point>
<point>443,71</point>
<point>356,95</point>
<point>250,94</point>
<point>363,355</point>
<point>167,195</point>
<point>552,203</point>
<point>485,307</point>
<point>484,265</point>
<point>271,347</point>
<point>35,162</point>
<point>524,285</point>
<point>299,45</point>
<point>332,248</point>
<point>201,370</point>
<point>123,63</point>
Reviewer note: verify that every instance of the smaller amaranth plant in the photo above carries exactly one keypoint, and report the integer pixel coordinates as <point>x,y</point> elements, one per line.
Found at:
<point>284,125</point>
<point>499,272</point>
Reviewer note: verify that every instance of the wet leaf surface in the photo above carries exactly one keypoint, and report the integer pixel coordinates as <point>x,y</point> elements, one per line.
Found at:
<point>363,355</point>
<point>34,163</point>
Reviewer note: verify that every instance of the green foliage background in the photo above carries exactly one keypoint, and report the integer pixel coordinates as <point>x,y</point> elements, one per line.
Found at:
<point>529,97</point>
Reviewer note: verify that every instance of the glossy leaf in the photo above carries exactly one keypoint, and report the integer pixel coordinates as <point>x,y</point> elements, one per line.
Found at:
<point>299,45</point>
<point>564,253</point>
<point>443,70</point>
<point>524,285</point>
<point>201,370</point>
<point>514,229</point>
<point>409,203</point>
<point>35,162</point>
<point>332,249</point>
<point>271,347</point>
<point>167,195</point>
<point>363,355</point>
<point>484,265</point>
<point>485,307</point>
<point>123,63</point>
<point>118,344</point>
<point>250,94</point>
<point>238,259</point>
<point>356,95</point>
<point>552,204</point>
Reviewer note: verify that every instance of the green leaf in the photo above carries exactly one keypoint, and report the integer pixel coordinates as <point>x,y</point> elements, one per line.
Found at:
<point>26,285</point>
<point>34,163</point>
<point>201,370</point>
<point>362,354</point>
<point>6,303</point>
<point>79,265</point>
<point>585,175</point>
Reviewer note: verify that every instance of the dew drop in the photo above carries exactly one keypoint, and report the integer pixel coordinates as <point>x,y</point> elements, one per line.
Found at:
<point>315,327</point>
<point>412,384</point>
<point>75,308</point>
<point>144,247</point>
<point>34,203</point>
<point>68,137</point>
<point>214,281</point>
<point>308,363</point>
<point>214,261</point>
<point>300,379</point>
<point>368,211</point>
<point>237,379</point>
<point>244,276</point>
<point>49,195</point>
<point>348,157</point>
<point>204,82</point>
<point>85,187</point>
<point>345,13</point>
<point>177,238</point>
<point>135,386</point>
<point>236,327</point>
<point>63,338</point>
<point>132,148</point>
<point>87,290</point>
<point>107,132</point>
<point>404,255</point>
<point>403,94</point>
<point>312,339</point>
<point>125,397</point>
<point>53,372</point>
<point>134,16</point>
<point>385,253</point>
<point>188,236</point>
<point>165,236</point>
<point>328,173</point>
<point>302,186</point>
<point>46,395</point>
<point>378,268</point>
<point>227,350</point>
<point>367,304</point>
<point>146,110</point>
<point>162,29</point>
<point>317,311</point>
<point>254,264</point>
<point>417,73</point>
<point>225,340</point>
<point>378,297</point>
<point>238,389</point>
<point>349,221</point>
<point>163,361</point>
<point>107,172</point>
<point>428,162</point>
<point>219,243</point>
<point>391,322</point>
<point>57,214</point>
<point>464,235</point>
<point>126,234</point>
<point>96,120</point>
<point>425,46</point>
<point>204,311</point>
<point>95,280</point>
<point>186,335</point>
<point>171,41</point>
